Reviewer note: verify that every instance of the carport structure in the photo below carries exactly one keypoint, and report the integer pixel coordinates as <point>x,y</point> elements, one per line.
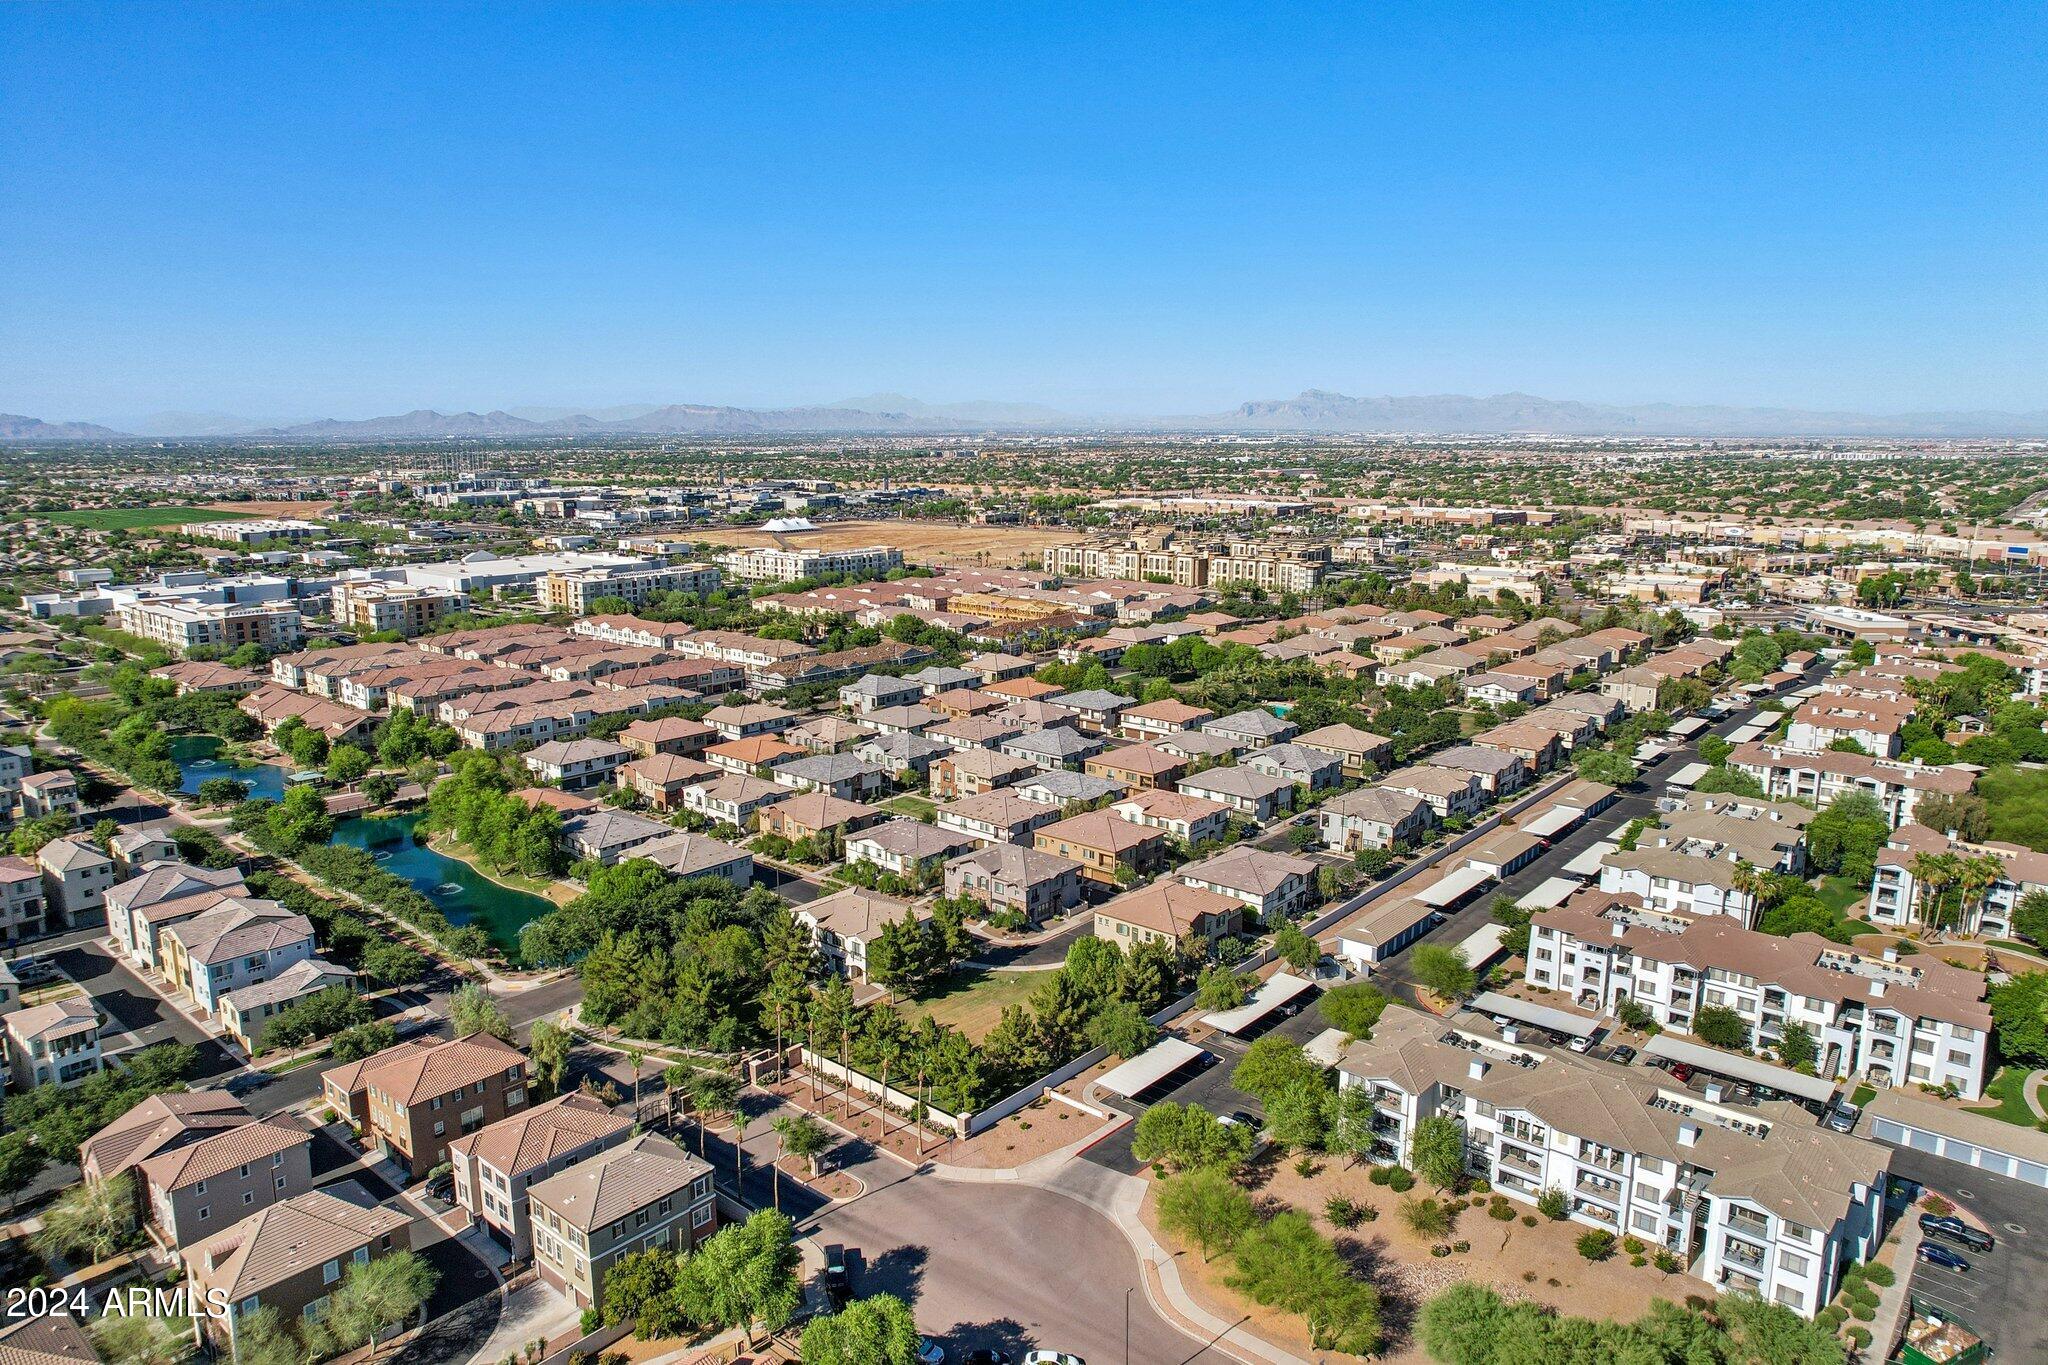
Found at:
<point>1453,887</point>
<point>1700,1057</point>
<point>1554,821</point>
<point>1274,992</point>
<point>1529,1012</point>
<point>1149,1067</point>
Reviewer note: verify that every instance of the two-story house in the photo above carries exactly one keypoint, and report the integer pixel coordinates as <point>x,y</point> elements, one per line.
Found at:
<point>495,1165</point>
<point>412,1099</point>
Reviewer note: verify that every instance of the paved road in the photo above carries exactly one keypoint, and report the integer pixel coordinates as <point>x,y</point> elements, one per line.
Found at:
<point>1006,1266</point>
<point>1633,802</point>
<point>1999,1298</point>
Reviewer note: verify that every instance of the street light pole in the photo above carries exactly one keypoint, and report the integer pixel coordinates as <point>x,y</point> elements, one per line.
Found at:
<point>1127,1324</point>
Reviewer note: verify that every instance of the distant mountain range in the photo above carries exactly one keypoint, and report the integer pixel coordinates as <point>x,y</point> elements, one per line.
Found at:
<point>1313,412</point>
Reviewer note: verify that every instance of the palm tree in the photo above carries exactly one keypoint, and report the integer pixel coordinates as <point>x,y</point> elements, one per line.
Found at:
<point>885,1039</point>
<point>1928,882</point>
<point>737,1117</point>
<point>1976,876</point>
<point>634,1056</point>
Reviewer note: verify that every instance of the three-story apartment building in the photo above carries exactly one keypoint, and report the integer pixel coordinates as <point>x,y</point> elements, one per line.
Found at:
<point>1755,1198</point>
<point>1895,1021</point>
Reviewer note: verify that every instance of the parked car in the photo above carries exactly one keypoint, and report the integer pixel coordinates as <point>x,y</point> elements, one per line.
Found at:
<point>1842,1118</point>
<point>1935,1254</point>
<point>929,1352</point>
<point>984,1355</point>
<point>442,1187</point>
<point>1680,1071</point>
<point>1956,1230</point>
<point>244,1082</point>
<point>1242,1118</point>
<point>1623,1055</point>
<point>32,971</point>
<point>838,1288</point>
<point>1052,1358</point>
<point>1581,1044</point>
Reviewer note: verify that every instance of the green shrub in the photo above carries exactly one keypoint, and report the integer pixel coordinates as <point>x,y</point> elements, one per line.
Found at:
<point>1859,1337</point>
<point>1596,1244</point>
<point>1528,1220</point>
<point>1862,1312</point>
<point>1400,1181</point>
<point>1632,1245</point>
<point>1667,1261</point>
<point>1878,1273</point>
<point>1379,1175</point>
<point>1551,1204</point>
<point>1500,1210</point>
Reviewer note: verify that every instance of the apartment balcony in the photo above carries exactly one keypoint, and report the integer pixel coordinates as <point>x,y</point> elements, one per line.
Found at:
<point>1516,1159</point>
<point>1587,1185</point>
<point>1744,1255</point>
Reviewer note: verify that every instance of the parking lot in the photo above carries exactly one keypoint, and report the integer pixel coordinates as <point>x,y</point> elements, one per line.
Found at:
<point>1998,1296</point>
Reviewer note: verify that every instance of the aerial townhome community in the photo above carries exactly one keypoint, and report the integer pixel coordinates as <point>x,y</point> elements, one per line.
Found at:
<point>542,914</point>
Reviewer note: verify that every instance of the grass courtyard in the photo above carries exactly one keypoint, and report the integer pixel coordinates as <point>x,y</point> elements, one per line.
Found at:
<point>140,518</point>
<point>973,998</point>
<point>2007,1096</point>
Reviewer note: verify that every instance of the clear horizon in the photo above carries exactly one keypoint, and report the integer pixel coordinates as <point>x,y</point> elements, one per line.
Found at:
<point>293,213</point>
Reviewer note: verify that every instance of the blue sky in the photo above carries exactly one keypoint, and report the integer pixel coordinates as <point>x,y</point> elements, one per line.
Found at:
<point>288,211</point>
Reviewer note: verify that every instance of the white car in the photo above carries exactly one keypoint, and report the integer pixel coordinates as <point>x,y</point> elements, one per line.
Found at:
<point>1052,1358</point>
<point>1580,1044</point>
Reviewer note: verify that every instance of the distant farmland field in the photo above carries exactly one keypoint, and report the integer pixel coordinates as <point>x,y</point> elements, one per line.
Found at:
<point>140,518</point>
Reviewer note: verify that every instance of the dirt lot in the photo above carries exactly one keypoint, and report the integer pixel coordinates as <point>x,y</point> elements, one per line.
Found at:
<point>309,511</point>
<point>922,542</point>
<point>1519,1262</point>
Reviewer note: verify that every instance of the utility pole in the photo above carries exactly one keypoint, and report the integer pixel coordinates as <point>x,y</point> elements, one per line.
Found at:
<point>1127,1323</point>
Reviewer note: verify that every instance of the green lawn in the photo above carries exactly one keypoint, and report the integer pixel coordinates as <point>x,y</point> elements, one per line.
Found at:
<point>2007,1089</point>
<point>1863,1095</point>
<point>1838,893</point>
<point>916,807</point>
<point>138,518</point>
<point>972,999</point>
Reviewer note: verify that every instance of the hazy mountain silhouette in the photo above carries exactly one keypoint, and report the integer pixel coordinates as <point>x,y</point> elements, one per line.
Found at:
<point>1312,412</point>
<point>17,428</point>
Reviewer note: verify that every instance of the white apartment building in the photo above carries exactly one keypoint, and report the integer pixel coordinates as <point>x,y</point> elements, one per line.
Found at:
<point>182,625</point>
<point>1898,897</point>
<point>574,590</point>
<point>1701,858</point>
<point>1789,774</point>
<point>371,607</point>
<point>773,564</point>
<point>1911,1021</point>
<point>1756,1198</point>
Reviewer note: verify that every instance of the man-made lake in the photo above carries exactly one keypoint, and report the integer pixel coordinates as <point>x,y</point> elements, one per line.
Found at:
<point>463,894</point>
<point>197,757</point>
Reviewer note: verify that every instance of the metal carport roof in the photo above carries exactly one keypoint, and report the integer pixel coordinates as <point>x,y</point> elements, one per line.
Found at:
<point>1528,1012</point>
<point>1554,821</point>
<point>1587,863</point>
<point>1741,1068</point>
<point>1270,996</point>
<point>1454,885</point>
<point>1149,1067</point>
<point>1686,776</point>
